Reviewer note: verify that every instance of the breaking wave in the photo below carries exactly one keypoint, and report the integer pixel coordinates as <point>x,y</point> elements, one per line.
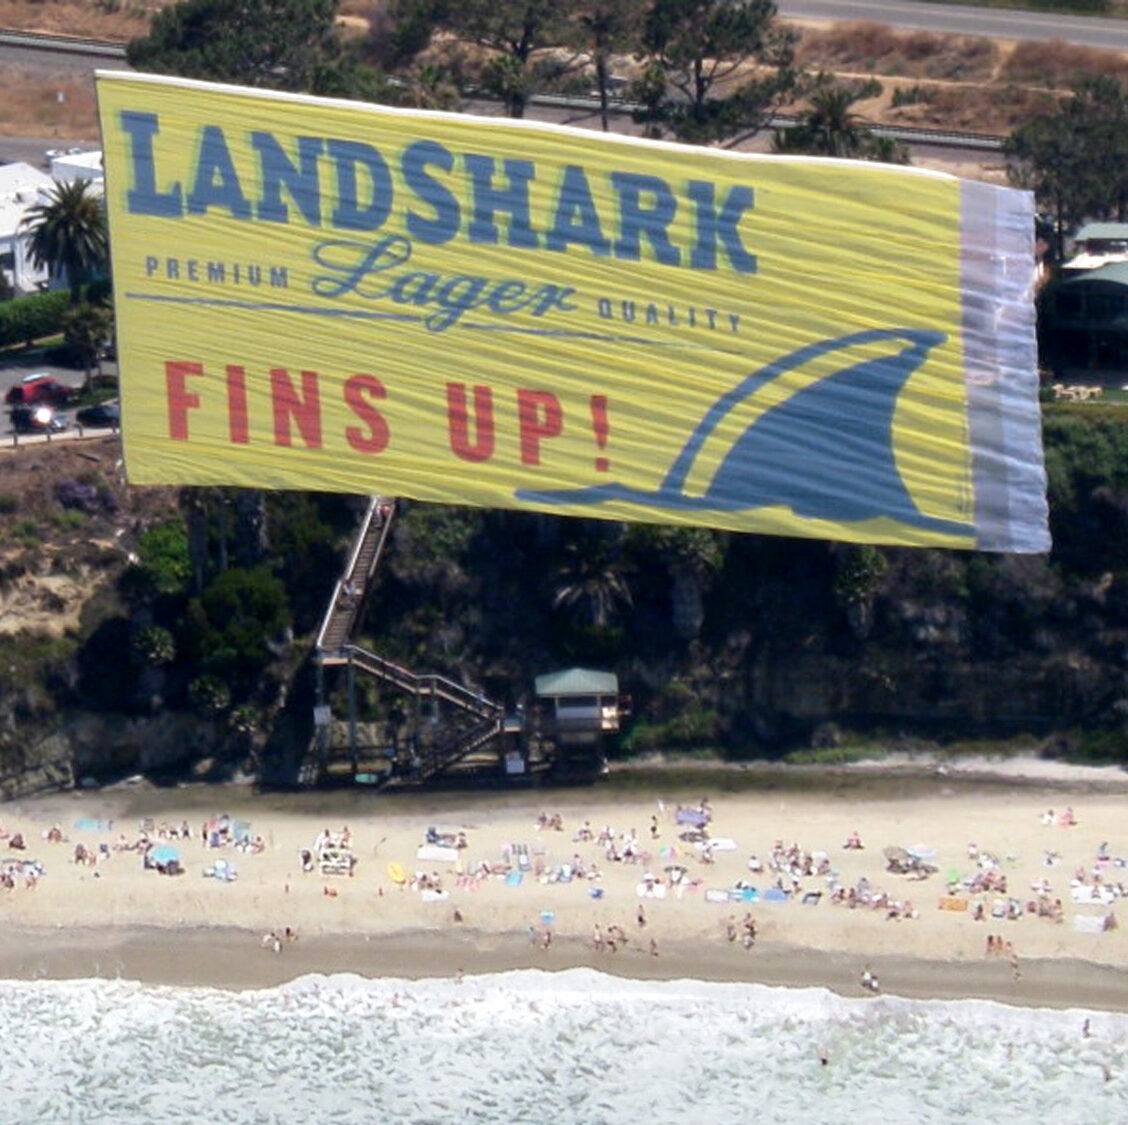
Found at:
<point>577,1046</point>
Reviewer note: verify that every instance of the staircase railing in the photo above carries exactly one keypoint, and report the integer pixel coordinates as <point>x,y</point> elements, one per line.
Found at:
<point>428,684</point>
<point>452,750</point>
<point>348,594</point>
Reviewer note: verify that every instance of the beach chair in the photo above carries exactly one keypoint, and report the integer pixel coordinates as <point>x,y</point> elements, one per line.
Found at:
<point>222,871</point>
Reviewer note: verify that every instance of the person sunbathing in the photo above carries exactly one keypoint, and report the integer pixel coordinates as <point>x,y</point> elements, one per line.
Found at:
<point>17,842</point>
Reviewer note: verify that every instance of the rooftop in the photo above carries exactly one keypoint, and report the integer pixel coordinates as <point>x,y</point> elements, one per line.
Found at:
<point>577,681</point>
<point>1101,231</point>
<point>20,185</point>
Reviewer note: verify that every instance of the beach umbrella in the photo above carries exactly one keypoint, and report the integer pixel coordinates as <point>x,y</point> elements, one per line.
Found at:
<point>919,851</point>
<point>895,855</point>
<point>166,854</point>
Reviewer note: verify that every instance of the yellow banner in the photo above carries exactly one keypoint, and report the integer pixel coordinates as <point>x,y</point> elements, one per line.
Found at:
<point>324,295</point>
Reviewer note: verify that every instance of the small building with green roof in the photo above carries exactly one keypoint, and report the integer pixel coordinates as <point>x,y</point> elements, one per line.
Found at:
<point>578,705</point>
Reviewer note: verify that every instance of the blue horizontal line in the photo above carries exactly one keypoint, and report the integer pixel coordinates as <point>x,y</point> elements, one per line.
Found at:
<point>360,314</point>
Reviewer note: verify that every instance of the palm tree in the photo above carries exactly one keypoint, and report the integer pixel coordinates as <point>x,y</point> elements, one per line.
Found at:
<point>86,328</point>
<point>591,584</point>
<point>69,234</point>
<point>830,127</point>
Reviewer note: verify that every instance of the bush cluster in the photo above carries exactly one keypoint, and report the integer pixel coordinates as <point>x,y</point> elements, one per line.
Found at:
<point>26,319</point>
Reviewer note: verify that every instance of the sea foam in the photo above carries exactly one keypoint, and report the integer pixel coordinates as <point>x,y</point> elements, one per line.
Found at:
<point>576,1046</point>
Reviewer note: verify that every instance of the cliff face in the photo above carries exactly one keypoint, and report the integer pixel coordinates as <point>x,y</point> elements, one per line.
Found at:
<point>140,630</point>
<point>85,745</point>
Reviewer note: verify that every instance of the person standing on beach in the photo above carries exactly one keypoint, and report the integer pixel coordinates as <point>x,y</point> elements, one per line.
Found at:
<point>640,916</point>
<point>597,939</point>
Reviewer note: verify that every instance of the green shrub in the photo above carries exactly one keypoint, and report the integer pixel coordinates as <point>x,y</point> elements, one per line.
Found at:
<point>68,520</point>
<point>209,695</point>
<point>27,531</point>
<point>26,319</point>
<point>155,645</point>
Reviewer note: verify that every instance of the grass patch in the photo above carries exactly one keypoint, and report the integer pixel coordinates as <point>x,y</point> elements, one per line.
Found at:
<point>1055,64</point>
<point>68,519</point>
<point>837,755</point>
<point>27,533</point>
<point>876,48</point>
<point>978,109</point>
<point>36,353</point>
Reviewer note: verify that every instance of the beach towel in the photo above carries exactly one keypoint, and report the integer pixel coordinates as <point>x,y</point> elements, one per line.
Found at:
<point>1089,923</point>
<point>774,894</point>
<point>86,824</point>
<point>719,844</point>
<point>1093,896</point>
<point>431,895</point>
<point>950,902</point>
<point>695,818</point>
<point>437,853</point>
<point>514,878</point>
<point>716,896</point>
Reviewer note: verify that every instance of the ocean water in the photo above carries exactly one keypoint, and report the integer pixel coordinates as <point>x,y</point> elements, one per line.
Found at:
<point>534,1047</point>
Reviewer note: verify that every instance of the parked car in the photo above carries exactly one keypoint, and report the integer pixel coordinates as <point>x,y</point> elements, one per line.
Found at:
<point>100,415</point>
<point>37,420</point>
<point>39,388</point>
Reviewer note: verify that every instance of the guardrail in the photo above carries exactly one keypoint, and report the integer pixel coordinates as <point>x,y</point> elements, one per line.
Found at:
<point>65,44</point>
<point>905,134</point>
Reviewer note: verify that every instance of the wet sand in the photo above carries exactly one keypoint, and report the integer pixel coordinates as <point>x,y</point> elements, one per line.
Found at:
<point>118,920</point>
<point>232,959</point>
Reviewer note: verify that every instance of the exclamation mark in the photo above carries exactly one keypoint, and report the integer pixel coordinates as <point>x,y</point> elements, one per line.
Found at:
<point>601,428</point>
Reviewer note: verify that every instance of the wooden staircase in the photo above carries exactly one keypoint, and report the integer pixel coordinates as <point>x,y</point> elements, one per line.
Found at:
<point>347,602</point>
<point>334,647</point>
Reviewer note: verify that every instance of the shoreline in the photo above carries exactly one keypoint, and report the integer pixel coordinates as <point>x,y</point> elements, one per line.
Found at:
<point>231,959</point>
<point>114,918</point>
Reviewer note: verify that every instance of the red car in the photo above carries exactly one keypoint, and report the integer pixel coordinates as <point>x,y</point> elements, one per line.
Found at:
<point>39,390</point>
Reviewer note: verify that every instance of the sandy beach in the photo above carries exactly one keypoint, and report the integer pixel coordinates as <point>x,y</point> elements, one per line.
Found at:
<point>114,918</point>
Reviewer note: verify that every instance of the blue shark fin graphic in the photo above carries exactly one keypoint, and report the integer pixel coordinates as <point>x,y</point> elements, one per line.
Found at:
<point>843,468</point>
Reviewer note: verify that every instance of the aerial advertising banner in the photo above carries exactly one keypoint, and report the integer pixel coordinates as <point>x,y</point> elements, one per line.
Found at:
<point>316,294</point>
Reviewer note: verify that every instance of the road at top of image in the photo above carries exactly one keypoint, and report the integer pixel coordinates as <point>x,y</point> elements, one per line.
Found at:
<point>955,19</point>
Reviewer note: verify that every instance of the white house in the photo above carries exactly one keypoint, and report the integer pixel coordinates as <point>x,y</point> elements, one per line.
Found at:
<point>78,166</point>
<point>20,188</point>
